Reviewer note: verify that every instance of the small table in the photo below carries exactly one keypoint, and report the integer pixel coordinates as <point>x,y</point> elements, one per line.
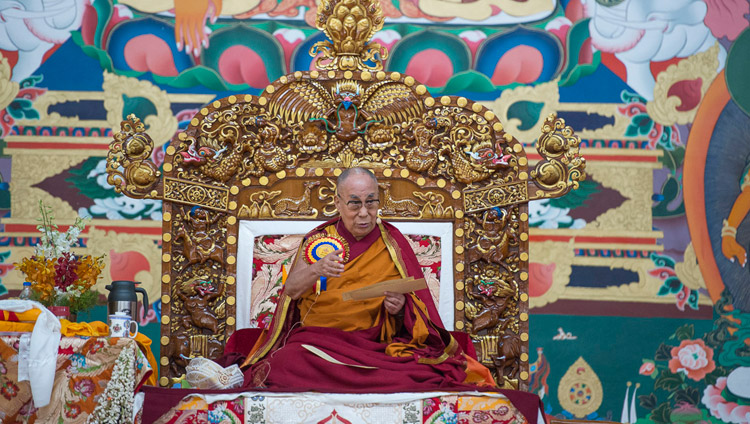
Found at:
<point>95,381</point>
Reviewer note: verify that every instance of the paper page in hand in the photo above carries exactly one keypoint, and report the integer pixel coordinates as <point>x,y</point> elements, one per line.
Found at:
<point>406,285</point>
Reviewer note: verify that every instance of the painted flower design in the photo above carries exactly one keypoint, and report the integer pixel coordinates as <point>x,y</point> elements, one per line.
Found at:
<point>72,410</point>
<point>84,387</point>
<point>428,406</point>
<point>96,346</point>
<point>9,390</point>
<point>720,407</point>
<point>116,328</point>
<point>647,368</point>
<point>693,358</point>
<point>77,361</point>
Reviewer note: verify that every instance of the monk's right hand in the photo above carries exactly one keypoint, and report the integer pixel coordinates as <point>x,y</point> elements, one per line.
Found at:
<point>331,265</point>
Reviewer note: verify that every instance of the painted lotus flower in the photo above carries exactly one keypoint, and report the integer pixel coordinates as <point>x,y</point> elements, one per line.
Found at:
<point>693,358</point>
<point>722,408</point>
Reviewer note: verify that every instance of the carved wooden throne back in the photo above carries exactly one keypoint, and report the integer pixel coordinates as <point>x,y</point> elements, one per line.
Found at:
<point>276,157</point>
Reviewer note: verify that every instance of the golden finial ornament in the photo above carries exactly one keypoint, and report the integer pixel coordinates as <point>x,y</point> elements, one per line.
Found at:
<point>349,24</point>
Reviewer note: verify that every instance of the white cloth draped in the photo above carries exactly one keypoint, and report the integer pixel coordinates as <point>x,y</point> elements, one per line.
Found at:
<point>37,359</point>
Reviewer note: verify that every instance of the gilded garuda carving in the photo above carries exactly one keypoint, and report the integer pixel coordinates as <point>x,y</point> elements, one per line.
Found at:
<point>277,155</point>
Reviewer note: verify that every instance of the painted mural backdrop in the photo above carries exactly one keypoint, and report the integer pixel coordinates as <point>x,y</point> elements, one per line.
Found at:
<point>639,281</point>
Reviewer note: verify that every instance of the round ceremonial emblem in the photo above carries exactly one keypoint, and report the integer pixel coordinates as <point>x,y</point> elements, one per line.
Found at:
<point>319,245</point>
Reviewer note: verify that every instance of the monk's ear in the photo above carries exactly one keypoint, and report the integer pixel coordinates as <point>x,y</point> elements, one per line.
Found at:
<point>337,201</point>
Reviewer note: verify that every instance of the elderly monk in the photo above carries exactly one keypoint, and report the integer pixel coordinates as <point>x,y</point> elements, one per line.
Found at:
<point>393,343</point>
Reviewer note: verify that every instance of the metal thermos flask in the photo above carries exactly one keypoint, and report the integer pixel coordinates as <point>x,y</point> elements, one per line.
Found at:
<point>122,298</point>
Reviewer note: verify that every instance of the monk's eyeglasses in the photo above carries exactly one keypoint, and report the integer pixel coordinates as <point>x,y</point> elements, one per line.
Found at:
<point>355,205</point>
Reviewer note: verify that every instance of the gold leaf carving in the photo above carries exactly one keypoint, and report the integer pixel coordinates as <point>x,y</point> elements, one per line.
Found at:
<point>299,206</point>
<point>349,25</point>
<point>580,390</point>
<point>636,185</point>
<point>703,66</point>
<point>547,255</point>
<point>688,271</point>
<point>8,88</point>
<point>494,195</point>
<point>191,193</point>
<point>26,197</point>
<point>161,127</point>
<point>548,94</point>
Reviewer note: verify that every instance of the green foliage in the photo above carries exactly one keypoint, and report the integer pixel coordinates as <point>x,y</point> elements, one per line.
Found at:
<point>578,197</point>
<point>671,190</point>
<point>661,414</point>
<point>89,186</point>
<point>21,108</point>
<point>84,302</point>
<point>100,55</point>
<point>663,352</point>
<point>672,159</point>
<point>199,75</point>
<point>527,112</point>
<point>672,285</point>
<point>468,81</point>
<point>648,401</point>
<point>714,375</point>
<point>685,332</point>
<point>577,36</point>
<point>668,380</point>
<point>139,106</point>
<point>689,395</point>
<point>662,260</point>
<point>104,13</point>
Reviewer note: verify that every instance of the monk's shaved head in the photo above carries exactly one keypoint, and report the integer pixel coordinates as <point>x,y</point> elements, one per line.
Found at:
<point>349,172</point>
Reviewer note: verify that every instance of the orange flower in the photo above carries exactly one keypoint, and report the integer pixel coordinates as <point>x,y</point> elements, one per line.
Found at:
<point>693,358</point>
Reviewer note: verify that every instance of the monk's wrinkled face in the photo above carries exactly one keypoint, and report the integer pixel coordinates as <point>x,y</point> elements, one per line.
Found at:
<point>357,202</point>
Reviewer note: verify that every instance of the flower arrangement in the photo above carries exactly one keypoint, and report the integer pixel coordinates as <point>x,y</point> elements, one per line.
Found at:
<point>59,277</point>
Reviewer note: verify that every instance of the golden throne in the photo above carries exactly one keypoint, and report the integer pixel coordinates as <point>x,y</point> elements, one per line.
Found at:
<point>271,162</point>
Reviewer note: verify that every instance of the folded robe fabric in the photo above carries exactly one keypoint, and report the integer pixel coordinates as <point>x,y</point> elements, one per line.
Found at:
<point>25,316</point>
<point>39,366</point>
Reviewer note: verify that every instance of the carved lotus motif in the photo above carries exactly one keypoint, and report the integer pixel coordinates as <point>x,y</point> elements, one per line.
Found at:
<point>312,138</point>
<point>380,137</point>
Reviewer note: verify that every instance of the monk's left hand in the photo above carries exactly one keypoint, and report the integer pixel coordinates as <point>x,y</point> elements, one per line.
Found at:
<point>394,302</point>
